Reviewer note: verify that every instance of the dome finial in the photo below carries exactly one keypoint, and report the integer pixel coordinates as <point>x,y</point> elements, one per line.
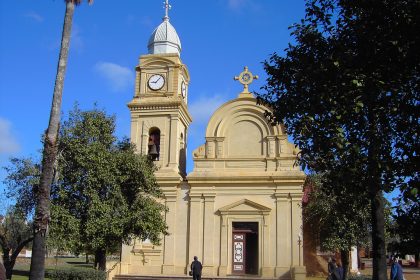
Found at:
<point>167,8</point>
<point>164,38</point>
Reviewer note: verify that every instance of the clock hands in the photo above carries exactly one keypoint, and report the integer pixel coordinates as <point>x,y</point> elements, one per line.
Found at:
<point>154,82</point>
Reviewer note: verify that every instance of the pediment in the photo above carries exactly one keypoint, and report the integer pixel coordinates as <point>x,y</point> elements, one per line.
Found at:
<point>244,206</point>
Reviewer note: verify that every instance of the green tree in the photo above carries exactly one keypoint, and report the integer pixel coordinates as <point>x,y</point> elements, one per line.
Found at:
<point>338,220</point>
<point>15,234</point>
<point>341,219</point>
<point>22,181</point>
<point>407,218</point>
<point>106,193</point>
<point>42,211</point>
<point>347,91</point>
<point>15,230</point>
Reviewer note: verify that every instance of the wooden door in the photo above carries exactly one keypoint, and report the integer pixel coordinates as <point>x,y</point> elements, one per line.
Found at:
<point>238,252</point>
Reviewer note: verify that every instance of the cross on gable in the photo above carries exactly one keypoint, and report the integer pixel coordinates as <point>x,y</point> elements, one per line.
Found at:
<point>245,78</point>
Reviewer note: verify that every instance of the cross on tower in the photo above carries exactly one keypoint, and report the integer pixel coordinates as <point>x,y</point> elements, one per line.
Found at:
<point>167,8</point>
<point>245,78</point>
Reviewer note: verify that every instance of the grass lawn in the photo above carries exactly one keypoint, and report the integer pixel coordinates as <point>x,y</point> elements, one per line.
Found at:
<point>20,277</point>
<point>21,269</point>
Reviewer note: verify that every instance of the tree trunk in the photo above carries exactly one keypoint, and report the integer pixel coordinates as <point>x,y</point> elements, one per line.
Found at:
<point>100,259</point>
<point>345,262</point>
<point>7,263</point>
<point>10,260</point>
<point>373,181</point>
<point>378,238</point>
<point>42,212</point>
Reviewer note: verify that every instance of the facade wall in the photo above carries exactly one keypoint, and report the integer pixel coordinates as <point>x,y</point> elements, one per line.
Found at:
<point>244,172</point>
<point>201,225</point>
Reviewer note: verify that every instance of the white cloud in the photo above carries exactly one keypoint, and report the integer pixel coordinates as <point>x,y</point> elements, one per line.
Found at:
<point>147,22</point>
<point>239,5</point>
<point>118,77</point>
<point>76,39</point>
<point>8,143</point>
<point>236,4</point>
<point>35,16</point>
<point>203,108</point>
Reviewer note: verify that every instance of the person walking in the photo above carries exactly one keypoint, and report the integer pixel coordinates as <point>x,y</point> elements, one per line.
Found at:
<point>396,270</point>
<point>196,269</point>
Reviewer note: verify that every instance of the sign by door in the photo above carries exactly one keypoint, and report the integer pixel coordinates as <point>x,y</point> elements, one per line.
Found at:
<point>239,243</point>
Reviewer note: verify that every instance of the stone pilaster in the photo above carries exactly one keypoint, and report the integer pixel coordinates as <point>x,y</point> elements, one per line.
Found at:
<point>224,247</point>
<point>162,154</point>
<point>271,146</point>
<point>283,242</point>
<point>173,155</point>
<point>210,147</point>
<point>282,147</point>
<point>296,230</point>
<point>195,248</point>
<point>135,131</point>
<point>219,147</point>
<point>208,246</point>
<point>267,269</point>
<point>143,145</point>
<point>169,240</point>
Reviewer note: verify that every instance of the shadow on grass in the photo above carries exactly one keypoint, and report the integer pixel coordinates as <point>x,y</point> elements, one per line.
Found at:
<point>79,263</point>
<point>21,272</point>
<point>83,265</point>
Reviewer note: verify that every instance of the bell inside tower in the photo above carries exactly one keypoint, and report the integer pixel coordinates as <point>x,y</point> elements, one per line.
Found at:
<point>154,144</point>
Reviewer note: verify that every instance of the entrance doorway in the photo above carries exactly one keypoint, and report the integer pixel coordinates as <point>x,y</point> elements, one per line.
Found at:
<point>245,248</point>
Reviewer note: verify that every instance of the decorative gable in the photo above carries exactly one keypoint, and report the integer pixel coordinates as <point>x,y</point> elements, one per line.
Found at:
<point>244,207</point>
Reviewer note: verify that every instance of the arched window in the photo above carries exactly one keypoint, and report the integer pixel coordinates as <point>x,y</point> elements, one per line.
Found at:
<point>154,143</point>
<point>182,157</point>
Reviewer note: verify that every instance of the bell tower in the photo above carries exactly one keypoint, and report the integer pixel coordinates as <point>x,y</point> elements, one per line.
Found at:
<point>159,113</point>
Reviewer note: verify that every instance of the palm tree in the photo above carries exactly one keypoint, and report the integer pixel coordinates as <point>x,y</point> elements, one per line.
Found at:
<point>42,211</point>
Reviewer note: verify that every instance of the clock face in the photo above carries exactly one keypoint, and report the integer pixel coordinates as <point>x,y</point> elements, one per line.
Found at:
<point>156,82</point>
<point>183,89</point>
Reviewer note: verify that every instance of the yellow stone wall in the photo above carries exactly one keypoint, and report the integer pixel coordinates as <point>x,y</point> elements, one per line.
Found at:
<point>243,172</point>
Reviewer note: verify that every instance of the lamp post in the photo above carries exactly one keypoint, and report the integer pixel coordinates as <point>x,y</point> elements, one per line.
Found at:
<point>299,244</point>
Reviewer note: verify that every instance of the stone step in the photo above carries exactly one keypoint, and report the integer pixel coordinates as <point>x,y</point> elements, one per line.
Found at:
<point>163,277</point>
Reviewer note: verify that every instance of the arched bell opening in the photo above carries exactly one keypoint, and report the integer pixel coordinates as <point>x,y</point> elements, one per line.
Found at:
<point>154,144</point>
<point>182,156</point>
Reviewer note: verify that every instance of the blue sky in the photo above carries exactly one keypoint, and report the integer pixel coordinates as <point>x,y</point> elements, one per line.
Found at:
<point>219,38</point>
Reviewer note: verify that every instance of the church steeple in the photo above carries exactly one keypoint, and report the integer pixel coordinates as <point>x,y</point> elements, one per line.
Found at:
<point>164,38</point>
<point>159,111</point>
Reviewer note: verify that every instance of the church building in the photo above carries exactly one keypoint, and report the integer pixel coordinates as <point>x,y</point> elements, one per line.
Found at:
<point>239,210</point>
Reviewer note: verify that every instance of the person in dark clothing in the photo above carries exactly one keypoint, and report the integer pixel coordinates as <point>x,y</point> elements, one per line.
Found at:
<point>331,268</point>
<point>340,271</point>
<point>396,270</point>
<point>196,268</point>
<point>334,271</point>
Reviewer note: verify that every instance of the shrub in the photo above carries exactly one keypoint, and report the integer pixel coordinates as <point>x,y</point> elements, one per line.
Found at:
<point>359,277</point>
<point>77,274</point>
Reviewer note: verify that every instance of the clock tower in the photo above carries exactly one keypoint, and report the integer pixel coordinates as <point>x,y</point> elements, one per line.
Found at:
<point>159,112</point>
